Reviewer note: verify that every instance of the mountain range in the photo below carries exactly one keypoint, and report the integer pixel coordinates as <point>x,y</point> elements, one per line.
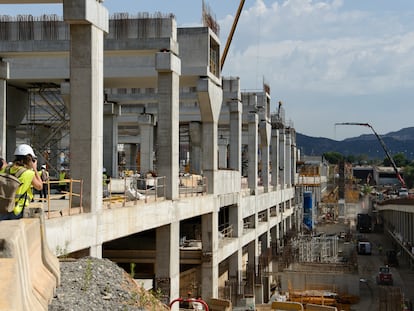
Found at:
<point>401,141</point>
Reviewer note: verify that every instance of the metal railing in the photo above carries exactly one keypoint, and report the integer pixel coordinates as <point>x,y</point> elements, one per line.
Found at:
<point>70,206</point>
<point>136,188</point>
<point>192,185</point>
<point>133,189</point>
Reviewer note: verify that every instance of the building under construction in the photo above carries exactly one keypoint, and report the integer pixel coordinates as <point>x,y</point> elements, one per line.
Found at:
<point>85,89</point>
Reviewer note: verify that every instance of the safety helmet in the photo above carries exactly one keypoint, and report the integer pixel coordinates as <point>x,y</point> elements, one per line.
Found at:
<point>23,150</point>
<point>43,166</point>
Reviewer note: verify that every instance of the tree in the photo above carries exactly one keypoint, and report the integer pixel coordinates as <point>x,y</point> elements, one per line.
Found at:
<point>333,157</point>
<point>399,159</point>
<point>409,175</point>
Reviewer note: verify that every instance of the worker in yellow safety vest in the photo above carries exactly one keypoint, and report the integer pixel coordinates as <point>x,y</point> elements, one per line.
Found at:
<point>25,163</point>
<point>62,183</point>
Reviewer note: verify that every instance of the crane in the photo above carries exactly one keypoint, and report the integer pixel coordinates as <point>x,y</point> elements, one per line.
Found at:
<point>230,38</point>
<point>397,173</point>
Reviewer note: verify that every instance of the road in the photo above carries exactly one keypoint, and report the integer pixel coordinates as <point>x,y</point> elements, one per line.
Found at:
<point>371,294</point>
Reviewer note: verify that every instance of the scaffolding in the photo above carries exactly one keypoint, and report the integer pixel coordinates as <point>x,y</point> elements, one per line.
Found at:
<point>46,125</point>
<point>316,248</point>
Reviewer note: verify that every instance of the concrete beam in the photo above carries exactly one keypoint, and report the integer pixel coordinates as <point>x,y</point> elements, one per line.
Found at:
<point>86,12</point>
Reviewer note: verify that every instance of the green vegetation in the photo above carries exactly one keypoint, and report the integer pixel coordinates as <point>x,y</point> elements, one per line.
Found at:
<point>62,252</point>
<point>87,275</point>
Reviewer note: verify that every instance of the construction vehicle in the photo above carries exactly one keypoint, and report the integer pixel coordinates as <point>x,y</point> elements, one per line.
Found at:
<point>384,276</point>
<point>397,173</point>
<point>364,223</point>
<point>364,248</point>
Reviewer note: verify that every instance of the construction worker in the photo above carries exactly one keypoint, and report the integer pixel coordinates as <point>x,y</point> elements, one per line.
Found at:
<point>105,181</point>
<point>24,159</point>
<point>62,183</point>
<point>44,175</point>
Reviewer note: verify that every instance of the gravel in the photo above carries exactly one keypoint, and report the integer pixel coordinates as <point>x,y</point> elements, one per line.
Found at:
<point>98,285</point>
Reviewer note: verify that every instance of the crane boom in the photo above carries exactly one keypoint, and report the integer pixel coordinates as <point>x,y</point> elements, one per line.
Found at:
<point>381,141</point>
<point>230,38</point>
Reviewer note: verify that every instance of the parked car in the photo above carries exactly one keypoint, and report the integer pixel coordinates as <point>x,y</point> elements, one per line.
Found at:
<point>384,276</point>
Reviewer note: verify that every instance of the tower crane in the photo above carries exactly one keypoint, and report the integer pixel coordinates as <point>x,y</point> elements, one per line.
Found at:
<point>397,173</point>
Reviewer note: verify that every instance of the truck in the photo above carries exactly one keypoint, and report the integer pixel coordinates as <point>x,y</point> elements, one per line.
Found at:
<point>364,223</point>
<point>384,276</point>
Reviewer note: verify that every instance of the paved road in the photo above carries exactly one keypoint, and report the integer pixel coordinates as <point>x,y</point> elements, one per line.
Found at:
<point>368,266</point>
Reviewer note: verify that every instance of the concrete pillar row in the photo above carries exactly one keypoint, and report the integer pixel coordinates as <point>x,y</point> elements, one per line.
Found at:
<point>146,124</point>
<point>168,67</point>
<point>275,157</point>
<point>196,155</point>
<point>4,75</point>
<point>253,150</point>
<point>236,110</point>
<point>110,138</point>
<point>265,136</point>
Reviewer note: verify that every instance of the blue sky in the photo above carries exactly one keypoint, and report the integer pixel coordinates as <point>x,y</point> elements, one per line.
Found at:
<point>328,61</point>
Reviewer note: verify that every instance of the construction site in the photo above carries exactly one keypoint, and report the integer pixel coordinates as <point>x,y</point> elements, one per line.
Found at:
<point>208,192</point>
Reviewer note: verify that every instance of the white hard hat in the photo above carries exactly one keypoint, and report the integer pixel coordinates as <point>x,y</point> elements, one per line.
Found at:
<point>43,166</point>
<point>23,149</point>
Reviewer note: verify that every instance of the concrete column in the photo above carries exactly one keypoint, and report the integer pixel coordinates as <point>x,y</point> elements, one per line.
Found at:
<point>146,126</point>
<point>195,147</point>
<point>110,138</point>
<point>251,263</point>
<point>235,268</point>
<point>16,108</point>
<point>236,220</point>
<point>253,149</point>
<point>210,98</point>
<point>265,131</point>
<point>236,109</point>
<point>222,149</point>
<point>210,264</point>
<point>133,151</point>
<point>288,159</point>
<point>168,67</point>
<point>88,21</point>
<point>293,157</point>
<point>4,75</point>
<point>282,160</point>
<point>167,263</point>
<point>275,157</point>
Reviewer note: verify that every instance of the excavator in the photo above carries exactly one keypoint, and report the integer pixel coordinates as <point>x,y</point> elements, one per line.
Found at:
<point>397,173</point>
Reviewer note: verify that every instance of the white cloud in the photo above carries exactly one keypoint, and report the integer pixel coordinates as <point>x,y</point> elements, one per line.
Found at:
<point>326,56</point>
